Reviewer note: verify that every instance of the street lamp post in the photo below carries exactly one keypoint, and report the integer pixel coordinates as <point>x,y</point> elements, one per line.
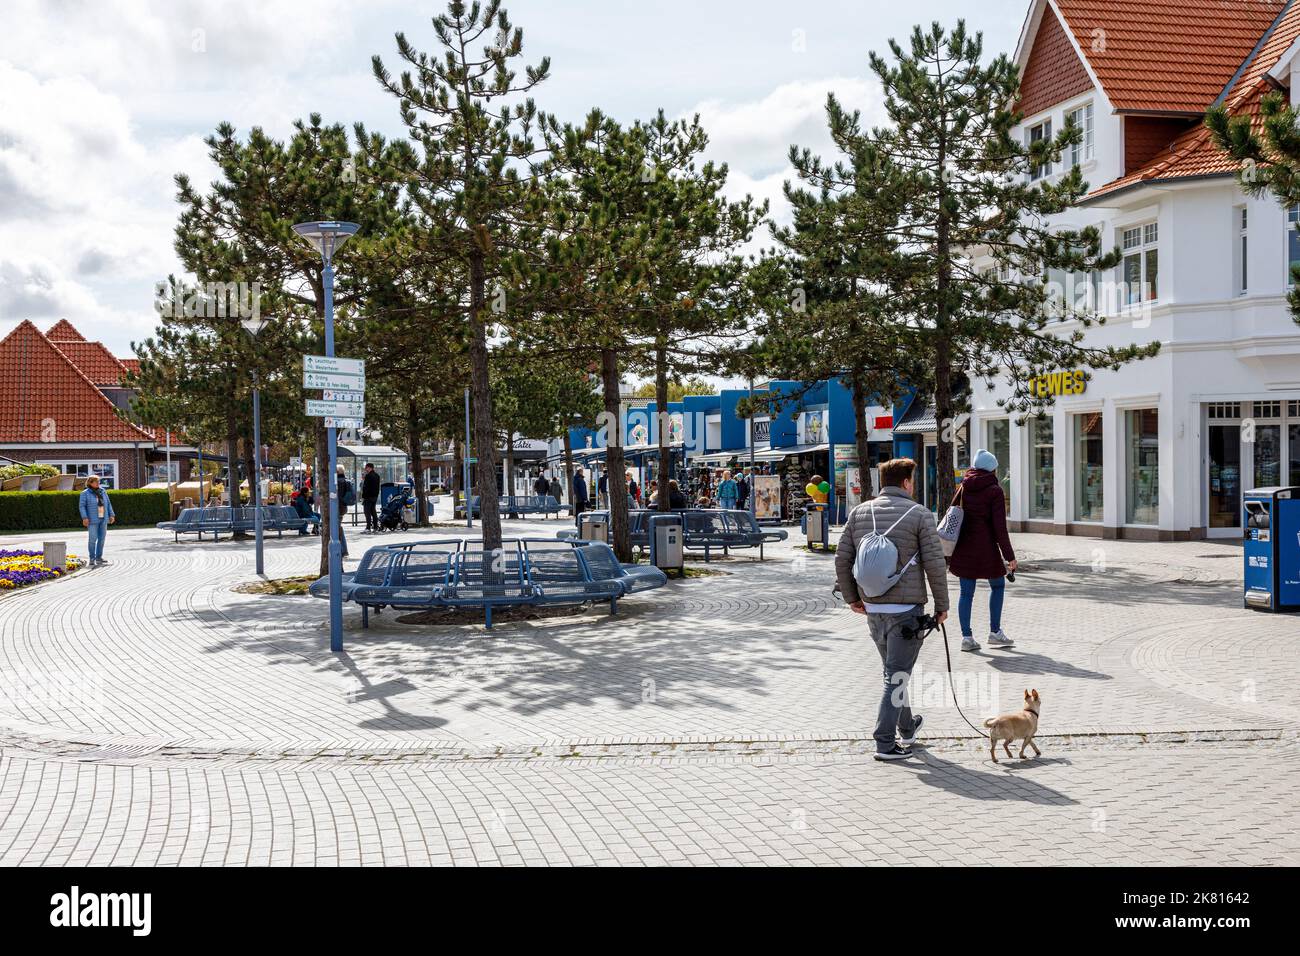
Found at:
<point>254,325</point>
<point>327,237</point>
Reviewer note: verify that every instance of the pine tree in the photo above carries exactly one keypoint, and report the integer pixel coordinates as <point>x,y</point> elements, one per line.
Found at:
<point>961,186</point>
<point>467,182</point>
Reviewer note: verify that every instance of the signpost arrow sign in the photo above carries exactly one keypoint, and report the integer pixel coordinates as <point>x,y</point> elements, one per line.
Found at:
<point>333,380</point>
<point>343,423</point>
<point>335,409</point>
<point>332,395</point>
<point>337,366</point>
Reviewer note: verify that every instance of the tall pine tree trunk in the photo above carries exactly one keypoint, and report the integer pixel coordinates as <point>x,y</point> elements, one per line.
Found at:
<point>566,493</point>
<point>661,410</point>
<point>413,449</point>
<point>616,480</point>
<point>457,476</point>
<point>943,404</point>
<point>481,399</point>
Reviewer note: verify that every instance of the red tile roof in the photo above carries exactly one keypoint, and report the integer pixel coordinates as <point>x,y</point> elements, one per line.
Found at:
<point>64,331</point>
<point>1194,153</point>
<point>1053,72</point>
<point>1167,56</point>
<point>131,364</point>
<point>95,362</point>
<point>45,397</point>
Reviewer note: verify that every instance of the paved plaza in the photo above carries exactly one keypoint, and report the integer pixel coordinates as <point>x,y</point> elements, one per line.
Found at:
<point>151,714</point>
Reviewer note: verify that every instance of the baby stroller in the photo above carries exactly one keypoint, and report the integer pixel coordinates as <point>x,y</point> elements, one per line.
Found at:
<point>390,516</point>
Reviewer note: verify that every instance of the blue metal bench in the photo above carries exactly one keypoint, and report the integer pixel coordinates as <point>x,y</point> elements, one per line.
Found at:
<point>703,529</point>
<point>526,571</point>
<point>222,519</point>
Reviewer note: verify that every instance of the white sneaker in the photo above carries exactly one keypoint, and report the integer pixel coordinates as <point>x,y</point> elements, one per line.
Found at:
<point>969,644</point>
<point>917,721</point>
<point>998,639</point>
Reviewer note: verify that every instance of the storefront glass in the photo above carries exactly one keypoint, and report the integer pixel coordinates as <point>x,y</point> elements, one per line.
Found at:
<point>1225,476</point>
<point>999,443</point>
<point>1087,467</point>
<point>1293,439</point>
<point>1042,477</point>
<point>1142,467</point>
<point>1268,456</point>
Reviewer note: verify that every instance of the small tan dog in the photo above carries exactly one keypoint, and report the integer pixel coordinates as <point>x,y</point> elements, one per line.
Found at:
<point>1009,727</point>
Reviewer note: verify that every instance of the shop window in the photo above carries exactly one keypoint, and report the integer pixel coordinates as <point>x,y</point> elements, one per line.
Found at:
<point>1268,456</point>
<point>1082,151</point>
<point>158,472</point>
<point>1268,409</point>
<point>1140,268</point>
<point>1293,442</point>
<point>107,470</point>
<point>1042,470</point>
<point>1224,410</point>
<point>1087,467</point>
<point>1142,467</point>
<point>1225,476</point>
<point>998,436</point>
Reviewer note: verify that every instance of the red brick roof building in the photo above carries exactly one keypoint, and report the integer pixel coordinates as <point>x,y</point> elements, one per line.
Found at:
<point>61,403</point>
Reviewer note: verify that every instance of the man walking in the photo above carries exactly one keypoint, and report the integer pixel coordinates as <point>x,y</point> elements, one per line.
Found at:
<point>370,498</point>
<point>579,493</point>
<point>347,498</point>
<point>893,616</point>
<point>742,487</point>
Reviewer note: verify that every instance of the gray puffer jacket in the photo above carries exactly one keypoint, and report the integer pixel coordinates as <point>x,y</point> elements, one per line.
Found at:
<point>914,533</point>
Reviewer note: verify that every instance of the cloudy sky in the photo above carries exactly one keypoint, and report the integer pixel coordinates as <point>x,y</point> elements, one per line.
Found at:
<point>103,101</point>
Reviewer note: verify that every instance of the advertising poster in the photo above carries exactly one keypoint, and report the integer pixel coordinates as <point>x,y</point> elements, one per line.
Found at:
<point>767,497</point>
<point>846,461</point>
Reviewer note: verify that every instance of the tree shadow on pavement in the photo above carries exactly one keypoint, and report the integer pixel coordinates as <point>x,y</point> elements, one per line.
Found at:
<point>1012,661</point>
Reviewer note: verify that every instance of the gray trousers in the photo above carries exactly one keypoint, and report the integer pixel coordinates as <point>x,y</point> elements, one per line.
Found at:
<point>898,653</point>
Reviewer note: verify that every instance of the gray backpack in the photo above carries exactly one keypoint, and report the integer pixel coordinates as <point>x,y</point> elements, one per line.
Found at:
<point>877,557</point>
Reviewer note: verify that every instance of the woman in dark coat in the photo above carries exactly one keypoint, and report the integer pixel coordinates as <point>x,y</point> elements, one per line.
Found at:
<point>982,547</point>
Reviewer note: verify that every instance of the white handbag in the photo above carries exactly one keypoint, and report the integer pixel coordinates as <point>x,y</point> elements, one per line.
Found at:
<point>949,527</point>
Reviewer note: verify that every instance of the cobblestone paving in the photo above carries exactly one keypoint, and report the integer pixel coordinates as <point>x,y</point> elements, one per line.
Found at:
<point>151,714</point>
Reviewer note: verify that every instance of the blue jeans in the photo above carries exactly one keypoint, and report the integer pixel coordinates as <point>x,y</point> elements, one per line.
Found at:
<point>967,599</point>
<point>98,531</point>
<point>727,504</point>
<point>898,653</point>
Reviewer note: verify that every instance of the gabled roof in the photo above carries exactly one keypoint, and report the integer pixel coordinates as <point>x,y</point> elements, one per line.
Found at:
<point>64,331</point>
<point>1194,154</point>
<point>1170,57</point>
<point>45,397</point>
<point>95,362</point>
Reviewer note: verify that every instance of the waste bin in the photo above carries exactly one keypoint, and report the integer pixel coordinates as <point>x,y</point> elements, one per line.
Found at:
<point>816,525</point>
<point>594,527</point>
<point>1271,546</point>
<point>667,541</point>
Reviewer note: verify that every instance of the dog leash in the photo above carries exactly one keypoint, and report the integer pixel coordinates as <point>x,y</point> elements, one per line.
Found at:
<point>952,685</point>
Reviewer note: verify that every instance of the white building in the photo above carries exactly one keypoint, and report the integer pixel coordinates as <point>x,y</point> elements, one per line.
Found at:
<point>1163,448</point>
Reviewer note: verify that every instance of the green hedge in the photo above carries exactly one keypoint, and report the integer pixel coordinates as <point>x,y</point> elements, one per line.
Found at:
<point>45,510</point>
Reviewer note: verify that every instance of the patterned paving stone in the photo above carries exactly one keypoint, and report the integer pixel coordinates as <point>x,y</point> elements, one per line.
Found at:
<point>151,714</point>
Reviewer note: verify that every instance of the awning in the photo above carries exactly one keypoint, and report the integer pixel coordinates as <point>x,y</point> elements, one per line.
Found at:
<point>372,451</point>
<point>719,457</point>
<point>919,420</point>
<point>800,449</point>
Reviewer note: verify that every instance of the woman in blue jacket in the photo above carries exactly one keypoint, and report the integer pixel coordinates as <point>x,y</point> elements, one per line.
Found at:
<point>96,515</point>
<point>728,492</point>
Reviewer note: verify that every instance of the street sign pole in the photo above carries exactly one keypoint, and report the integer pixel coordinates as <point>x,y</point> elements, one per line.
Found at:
<point>256,478</point>
<point>331,481</point>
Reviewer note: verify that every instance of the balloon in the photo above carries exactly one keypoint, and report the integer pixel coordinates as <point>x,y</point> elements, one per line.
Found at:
<point>824,487</point>
<point>810,490</point>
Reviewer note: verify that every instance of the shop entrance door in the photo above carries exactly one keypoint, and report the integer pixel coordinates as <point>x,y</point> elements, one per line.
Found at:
<point>1223,514</point>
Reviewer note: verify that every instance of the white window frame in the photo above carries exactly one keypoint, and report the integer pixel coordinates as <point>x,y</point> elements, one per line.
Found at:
<point>1145,239</point>
<point>1241,275</point>
<point>107,473</point>
<point>162,466</point>
<point>1085,150</point>
<point>1045,126</point>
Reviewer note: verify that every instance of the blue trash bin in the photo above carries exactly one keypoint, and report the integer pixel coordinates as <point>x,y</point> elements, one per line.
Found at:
<point>1271,549</point>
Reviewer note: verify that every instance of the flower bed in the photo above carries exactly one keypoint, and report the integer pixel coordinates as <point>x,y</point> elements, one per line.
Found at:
<point>21,568</point>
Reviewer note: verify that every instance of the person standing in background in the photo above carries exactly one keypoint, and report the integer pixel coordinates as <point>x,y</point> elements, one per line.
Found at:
<point>370,498</point>
<point>96,516</point>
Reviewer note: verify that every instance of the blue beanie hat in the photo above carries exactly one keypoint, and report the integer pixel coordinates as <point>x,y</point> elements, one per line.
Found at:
<point>984,460</point>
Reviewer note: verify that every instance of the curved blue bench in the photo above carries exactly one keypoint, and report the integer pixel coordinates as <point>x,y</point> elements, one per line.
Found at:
<point>454,573</point>
<point>223,519</point>
<point>703,529</point>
